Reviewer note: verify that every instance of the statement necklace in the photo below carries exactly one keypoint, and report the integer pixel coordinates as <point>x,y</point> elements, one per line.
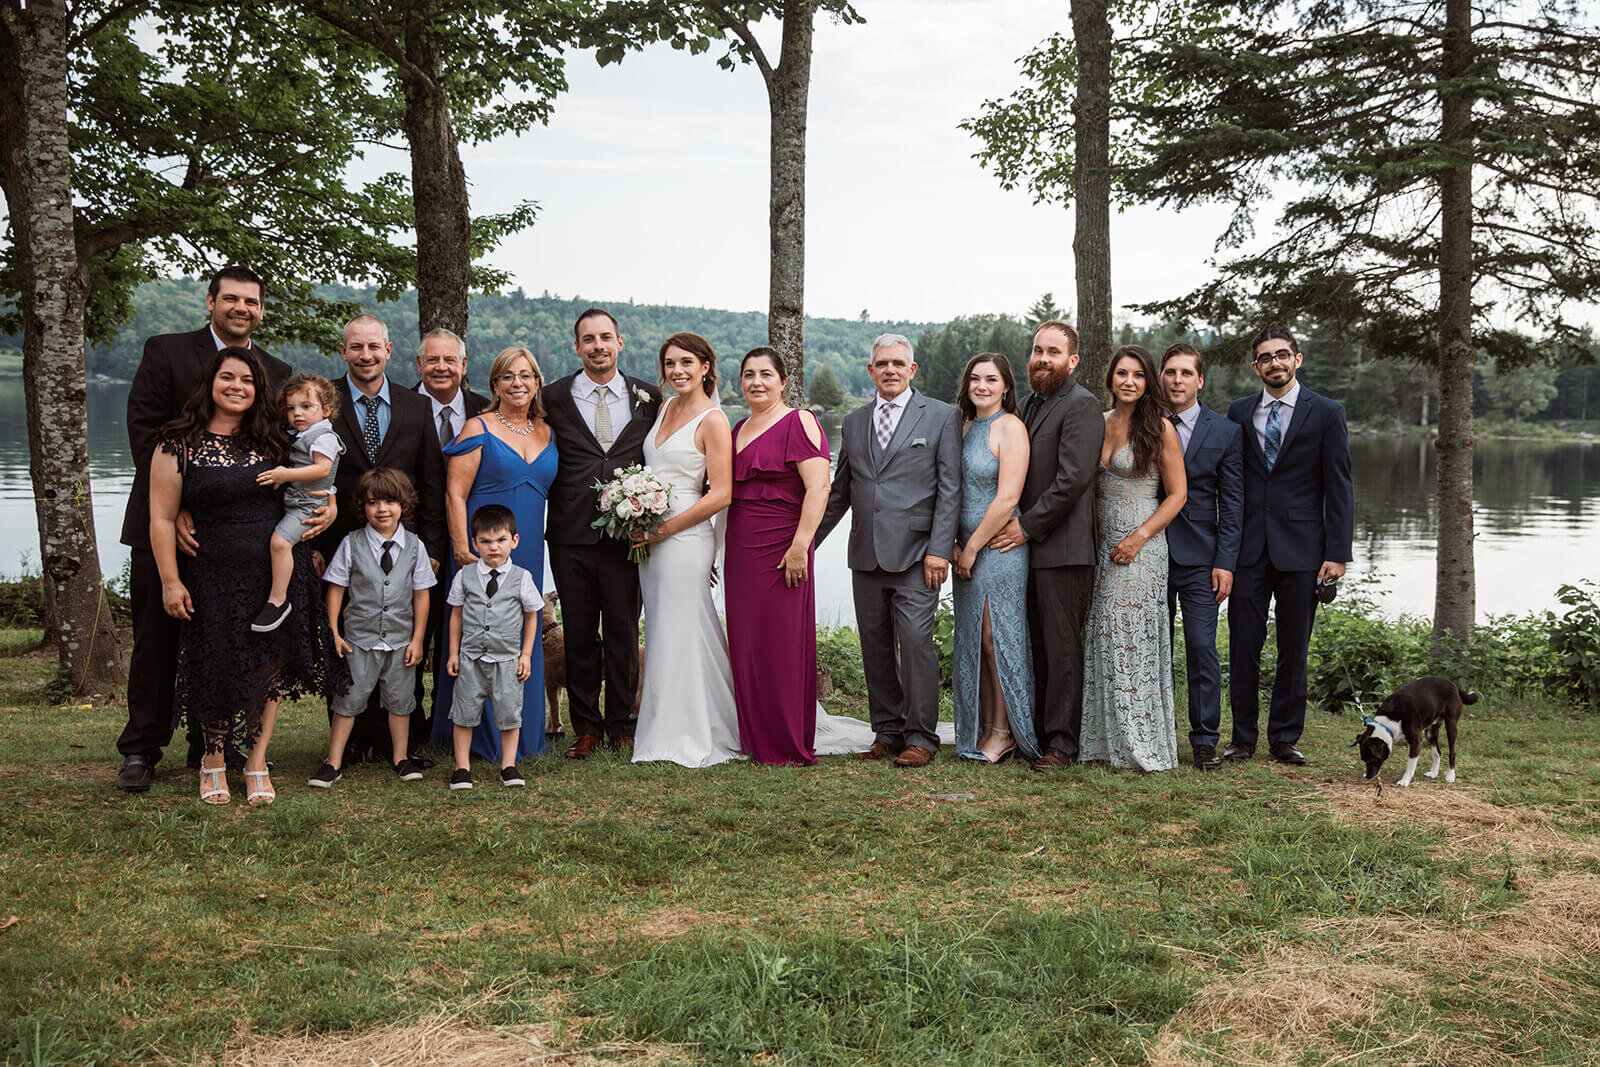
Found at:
<point>512,428</point>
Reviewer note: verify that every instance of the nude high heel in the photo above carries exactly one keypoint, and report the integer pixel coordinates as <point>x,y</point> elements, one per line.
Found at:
<point>999,744</point>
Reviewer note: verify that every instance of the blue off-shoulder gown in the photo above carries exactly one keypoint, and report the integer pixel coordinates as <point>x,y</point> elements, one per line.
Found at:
<point>505,478</point>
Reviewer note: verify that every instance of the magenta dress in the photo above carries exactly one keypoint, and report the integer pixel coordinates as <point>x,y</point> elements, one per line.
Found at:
<point>772,629</point>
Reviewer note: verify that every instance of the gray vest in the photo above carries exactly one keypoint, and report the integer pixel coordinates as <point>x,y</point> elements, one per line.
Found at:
<point>298,494</point>
<point>378,605</point>
<point>491,628</point>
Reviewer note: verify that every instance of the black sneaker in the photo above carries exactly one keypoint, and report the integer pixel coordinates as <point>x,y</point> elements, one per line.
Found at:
<point>271,617</point>
<point>326,775</point>
<point>511,776</point>
<point>408,771</point>
<point>461,779</point>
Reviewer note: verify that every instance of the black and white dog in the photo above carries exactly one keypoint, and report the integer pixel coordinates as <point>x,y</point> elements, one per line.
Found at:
<point>1419,706</point>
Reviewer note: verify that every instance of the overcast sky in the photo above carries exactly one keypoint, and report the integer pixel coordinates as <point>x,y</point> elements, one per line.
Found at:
<point>652,179</point>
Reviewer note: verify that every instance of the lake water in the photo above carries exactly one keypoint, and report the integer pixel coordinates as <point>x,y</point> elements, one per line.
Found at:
<point>1538,513</point>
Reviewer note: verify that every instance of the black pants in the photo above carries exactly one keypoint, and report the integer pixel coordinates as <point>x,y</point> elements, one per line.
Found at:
<point>600,605</point>
<point>1295,593</point>
<point>1058,603</point>
<point>153,669</point>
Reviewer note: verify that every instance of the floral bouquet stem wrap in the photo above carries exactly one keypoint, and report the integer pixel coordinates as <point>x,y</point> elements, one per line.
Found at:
<point>633,502</point>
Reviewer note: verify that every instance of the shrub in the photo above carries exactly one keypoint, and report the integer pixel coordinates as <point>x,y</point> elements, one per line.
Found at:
<point>1575,640</point>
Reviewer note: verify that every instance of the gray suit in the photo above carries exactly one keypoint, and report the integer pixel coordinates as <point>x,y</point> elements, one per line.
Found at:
<point>905,501</point>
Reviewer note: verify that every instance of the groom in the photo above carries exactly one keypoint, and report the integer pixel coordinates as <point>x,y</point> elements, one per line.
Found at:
<point>899,474</point>
<point>600,418</point>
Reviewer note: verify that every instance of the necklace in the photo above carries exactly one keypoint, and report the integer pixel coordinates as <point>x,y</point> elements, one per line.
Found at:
<point>512,428</point>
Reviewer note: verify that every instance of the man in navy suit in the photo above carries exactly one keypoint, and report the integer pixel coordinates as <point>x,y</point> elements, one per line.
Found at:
<point>1203,541</point>
<point>1299,522</point>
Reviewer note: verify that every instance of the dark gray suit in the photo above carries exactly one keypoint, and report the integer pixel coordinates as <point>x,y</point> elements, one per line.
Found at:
<point>1066,430</point>
<point>905,501</point>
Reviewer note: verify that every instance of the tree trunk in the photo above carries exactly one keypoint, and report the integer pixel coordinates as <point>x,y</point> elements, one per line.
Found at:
<point>438,196</point>
<point>788,88</point>
<point>1455,591</point>
<point>1091,190</point>
<point>54,291</point>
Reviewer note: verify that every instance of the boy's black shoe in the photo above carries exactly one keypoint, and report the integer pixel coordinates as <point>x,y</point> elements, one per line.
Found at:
<point>511,776</point>
<point>326,775</point>
<point>270,617</point>
<point>408,771</point>
<point>461,779</point>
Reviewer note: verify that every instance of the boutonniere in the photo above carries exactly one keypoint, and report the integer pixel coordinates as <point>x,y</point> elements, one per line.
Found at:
<point>640,396</point>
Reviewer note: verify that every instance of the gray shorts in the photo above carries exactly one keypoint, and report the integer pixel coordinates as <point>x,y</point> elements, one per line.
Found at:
<point>384,671</point>
<point>292,526</point>
<point>482,679</point>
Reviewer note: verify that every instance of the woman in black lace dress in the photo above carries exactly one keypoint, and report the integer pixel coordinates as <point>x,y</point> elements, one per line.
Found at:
<point>230,678</point>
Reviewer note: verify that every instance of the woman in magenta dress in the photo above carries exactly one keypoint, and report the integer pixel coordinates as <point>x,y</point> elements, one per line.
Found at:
<point>780,488</point>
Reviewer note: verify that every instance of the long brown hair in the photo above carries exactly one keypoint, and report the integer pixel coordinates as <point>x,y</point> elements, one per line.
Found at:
<point>1008,402</point>
<point>1145,428</point>
<point>260,430</point>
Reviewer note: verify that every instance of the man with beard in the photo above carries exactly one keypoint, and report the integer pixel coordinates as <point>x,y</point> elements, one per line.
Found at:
<point>1066,430</point>
<point>1299,522</point>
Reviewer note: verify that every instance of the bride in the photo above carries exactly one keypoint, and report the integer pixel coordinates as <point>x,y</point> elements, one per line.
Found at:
<point>686,710</point>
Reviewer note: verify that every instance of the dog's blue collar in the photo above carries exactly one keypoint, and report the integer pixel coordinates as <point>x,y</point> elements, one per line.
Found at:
<point>1376,726</point>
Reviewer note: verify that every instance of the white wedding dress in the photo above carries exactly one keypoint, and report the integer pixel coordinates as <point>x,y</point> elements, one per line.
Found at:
<point>686,711</point>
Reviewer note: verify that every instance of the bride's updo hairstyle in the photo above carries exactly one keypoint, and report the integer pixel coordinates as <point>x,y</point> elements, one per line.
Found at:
<point>502,364</point>
<point>696,346</point>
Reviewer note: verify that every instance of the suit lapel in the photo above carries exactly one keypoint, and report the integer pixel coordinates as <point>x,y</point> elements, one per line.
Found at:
<point>1046,405</point>
<point>349,425</point>
<point>1302,412</point>
<point>395,418</point>
<point>909,418</point>
<point>1202,426</point>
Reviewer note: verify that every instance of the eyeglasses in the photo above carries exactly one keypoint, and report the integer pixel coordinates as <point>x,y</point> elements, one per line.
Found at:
<point>1267,359</point>
<point>524,377</point>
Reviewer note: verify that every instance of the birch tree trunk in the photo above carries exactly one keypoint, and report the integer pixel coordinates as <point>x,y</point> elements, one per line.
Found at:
<point>1455,590</point>
<point>438,194</point>
<point>37,177</point>
<point>1091,190</point>
<point>788,91</point>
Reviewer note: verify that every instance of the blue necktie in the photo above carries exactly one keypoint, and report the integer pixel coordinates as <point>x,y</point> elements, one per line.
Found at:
<point>369,426</point>
<point>1274,433</point>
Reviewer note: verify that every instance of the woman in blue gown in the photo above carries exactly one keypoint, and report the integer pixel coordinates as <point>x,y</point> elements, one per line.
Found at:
<point>505,456</point>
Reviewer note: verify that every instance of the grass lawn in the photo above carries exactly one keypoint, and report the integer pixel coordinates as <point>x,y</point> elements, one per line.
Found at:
<point>846,913</point>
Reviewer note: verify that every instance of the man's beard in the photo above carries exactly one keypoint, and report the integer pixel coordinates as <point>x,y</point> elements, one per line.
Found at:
<point>1044,379</point>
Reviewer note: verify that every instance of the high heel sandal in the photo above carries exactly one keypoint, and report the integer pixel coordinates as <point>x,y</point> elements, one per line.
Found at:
<point>218,793</point>
<point>258,794</point>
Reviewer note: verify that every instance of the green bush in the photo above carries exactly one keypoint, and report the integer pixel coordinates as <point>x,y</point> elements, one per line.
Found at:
<point>839,651</point>
<point>1575,640</point>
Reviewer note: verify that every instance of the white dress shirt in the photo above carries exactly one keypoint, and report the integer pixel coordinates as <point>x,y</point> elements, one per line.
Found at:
<point>1285,412</point>
<point>1187,418</point>
<point>457,406</point>
<point>584,392</point>
<point>897,409</point>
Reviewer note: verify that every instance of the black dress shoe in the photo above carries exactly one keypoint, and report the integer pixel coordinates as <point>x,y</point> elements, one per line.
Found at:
<point>1238,752</point>
<point>1284,752</point>
<point>136,774</point>
<point>1205,758</point>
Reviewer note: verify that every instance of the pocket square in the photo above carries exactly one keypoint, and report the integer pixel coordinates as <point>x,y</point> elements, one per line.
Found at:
<point>918,442</point>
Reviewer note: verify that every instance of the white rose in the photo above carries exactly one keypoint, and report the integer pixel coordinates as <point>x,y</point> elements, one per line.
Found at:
<point>625,509</point>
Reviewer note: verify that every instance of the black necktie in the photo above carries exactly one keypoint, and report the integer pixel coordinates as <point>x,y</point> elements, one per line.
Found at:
<point>387,562</point>
<point>494,584</point>
<point>1029,409</point>
<point>446,431</point>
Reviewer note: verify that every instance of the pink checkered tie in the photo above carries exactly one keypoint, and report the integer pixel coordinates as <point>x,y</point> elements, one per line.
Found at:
<point>885,428</point>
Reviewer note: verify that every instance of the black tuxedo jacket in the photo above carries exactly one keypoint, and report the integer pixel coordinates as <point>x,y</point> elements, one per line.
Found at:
<point>1206,532</point>
<point>1302,511</point>
<point>572,510</point>
<point>411,446</point>
<point>172,364</point>
<point>1066,430</point>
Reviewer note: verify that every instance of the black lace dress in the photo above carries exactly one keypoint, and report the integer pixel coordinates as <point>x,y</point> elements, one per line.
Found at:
<point>226,672</point>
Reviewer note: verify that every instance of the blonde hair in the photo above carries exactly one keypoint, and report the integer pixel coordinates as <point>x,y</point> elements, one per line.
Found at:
<point>502,363</point>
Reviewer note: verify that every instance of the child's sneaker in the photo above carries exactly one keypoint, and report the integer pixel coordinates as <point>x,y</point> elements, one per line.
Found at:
<point>270,617</point>
<point>326,775</point>
<point>511,776</point>
<point>461,779</point>
<point>408,771</point>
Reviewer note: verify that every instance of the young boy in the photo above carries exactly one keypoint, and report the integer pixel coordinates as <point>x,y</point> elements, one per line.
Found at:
<point>493,607</point>
<point>309,404</point>
<point>386,570</point>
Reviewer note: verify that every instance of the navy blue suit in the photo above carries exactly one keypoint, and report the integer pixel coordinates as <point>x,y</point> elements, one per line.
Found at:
<point>1205,536</point>
<point>1296,516</point>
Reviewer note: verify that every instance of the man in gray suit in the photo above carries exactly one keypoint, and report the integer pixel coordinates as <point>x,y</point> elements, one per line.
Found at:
<point>1066,431</point>
<point>899,473</point>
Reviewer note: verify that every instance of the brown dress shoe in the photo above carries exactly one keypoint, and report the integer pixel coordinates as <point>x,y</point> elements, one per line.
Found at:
<point>914,756</point>
<point>879,750</point>
<point>582,747</point>
<point>1055,759</point>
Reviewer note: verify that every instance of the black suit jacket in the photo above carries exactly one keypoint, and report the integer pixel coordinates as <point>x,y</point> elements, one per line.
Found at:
<point>1065,432</point>
<point>573,508</point>
<point>474,402</point>
<point>1206,531</point>
<point>173,363</point>
<point>410,446</point>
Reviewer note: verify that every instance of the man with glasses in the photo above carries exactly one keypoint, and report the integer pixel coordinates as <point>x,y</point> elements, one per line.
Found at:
<point>1299,518</point>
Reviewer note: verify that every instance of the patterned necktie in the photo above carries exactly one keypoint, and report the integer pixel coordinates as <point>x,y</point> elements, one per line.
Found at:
<point>602,416</point>
<point>369,426</point>
<point>885,428</point>
<point>1274,434</point>
<point>446,430</point>
<point>494,584</point>
<point>387,562</point>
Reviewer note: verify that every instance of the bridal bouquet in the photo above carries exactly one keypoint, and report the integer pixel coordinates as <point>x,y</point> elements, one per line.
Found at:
<point>634,502</point>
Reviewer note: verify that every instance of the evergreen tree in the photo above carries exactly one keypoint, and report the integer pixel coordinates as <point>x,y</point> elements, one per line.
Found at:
<point>825,390</point>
